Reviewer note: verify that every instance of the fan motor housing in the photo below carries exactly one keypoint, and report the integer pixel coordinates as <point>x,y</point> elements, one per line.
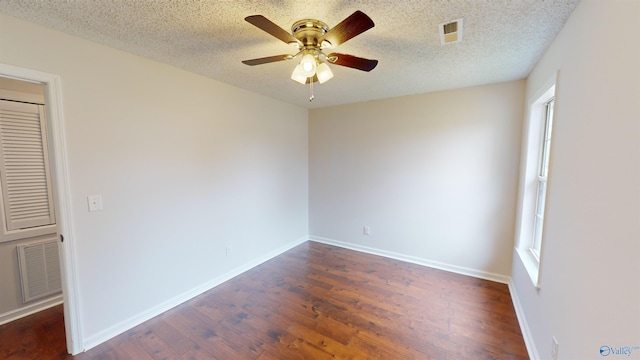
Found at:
<point>309,31</point>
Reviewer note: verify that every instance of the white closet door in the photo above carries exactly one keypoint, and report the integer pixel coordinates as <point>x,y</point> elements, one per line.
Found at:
<point>24,166</point>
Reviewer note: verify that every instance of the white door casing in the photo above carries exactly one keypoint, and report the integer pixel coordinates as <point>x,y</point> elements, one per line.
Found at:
<point>61,193</point>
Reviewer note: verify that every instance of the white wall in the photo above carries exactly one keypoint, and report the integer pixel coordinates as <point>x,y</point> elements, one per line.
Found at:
<point>590,294</point>
<point>185,165</point>
<point>433,175</point>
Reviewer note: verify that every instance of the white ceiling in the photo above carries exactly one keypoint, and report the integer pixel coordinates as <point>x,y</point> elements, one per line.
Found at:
<point>502,40</point>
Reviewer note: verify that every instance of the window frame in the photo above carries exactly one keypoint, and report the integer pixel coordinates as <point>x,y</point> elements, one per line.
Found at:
<point>532,166</point>
<point>542,178</point>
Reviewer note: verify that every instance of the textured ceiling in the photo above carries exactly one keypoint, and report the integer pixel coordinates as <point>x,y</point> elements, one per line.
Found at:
<point>502,40</point>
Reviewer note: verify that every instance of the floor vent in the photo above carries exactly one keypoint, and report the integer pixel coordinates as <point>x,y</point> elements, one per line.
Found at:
<point>39,269</point>
<point>450,32</point>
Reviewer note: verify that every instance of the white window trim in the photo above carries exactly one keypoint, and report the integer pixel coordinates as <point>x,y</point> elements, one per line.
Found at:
<point>533,129</point>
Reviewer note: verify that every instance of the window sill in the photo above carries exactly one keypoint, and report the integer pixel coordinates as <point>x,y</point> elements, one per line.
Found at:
<point>531,264</point>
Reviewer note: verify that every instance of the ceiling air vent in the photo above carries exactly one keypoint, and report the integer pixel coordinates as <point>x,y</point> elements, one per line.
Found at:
<point>450,32</point>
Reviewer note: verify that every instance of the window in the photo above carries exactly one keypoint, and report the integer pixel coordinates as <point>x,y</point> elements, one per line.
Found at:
<point>543,173</point>
<point>534,179</point>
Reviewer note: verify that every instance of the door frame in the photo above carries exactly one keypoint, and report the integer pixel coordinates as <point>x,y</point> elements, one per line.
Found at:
<point>62,199</point>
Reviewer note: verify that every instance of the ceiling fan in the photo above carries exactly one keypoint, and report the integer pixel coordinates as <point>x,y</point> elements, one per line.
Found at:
<point>311,38</point>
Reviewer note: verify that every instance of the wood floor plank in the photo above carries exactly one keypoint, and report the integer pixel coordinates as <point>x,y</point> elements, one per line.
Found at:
<point>31,337</point>
<point>180,343</point>
<point>379,346</point>
<point>313,302</point>
<point>154,345</point>
<point>205,333</point>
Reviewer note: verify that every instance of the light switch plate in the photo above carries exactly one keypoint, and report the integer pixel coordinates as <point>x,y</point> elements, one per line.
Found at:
<point>95,202</point>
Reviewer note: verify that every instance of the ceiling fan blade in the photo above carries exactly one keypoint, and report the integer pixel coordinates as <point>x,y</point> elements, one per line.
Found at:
<point>352,61</point>
<point>271,28</point>
<point>268,59</point>
<point>355,24</point>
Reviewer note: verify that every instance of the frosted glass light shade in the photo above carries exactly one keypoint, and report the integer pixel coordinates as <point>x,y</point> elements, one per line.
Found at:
<point>324,73</point>
<point>308,64</point>
<point>299,75</point>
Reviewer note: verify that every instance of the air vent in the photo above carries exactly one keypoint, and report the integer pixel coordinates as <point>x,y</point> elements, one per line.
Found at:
<point>450,32</point>
<point>39,269</point>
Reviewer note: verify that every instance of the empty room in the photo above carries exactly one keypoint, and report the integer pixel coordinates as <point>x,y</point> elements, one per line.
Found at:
<point>320,180</point>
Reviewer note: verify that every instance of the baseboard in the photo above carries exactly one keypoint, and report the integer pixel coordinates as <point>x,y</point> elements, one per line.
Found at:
<point>121,327</point>
<point>30,309</point>
<point>524,326</point>
<point>415,260</point>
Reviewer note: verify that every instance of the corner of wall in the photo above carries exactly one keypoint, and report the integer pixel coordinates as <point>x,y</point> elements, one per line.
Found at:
<point>522,321</point>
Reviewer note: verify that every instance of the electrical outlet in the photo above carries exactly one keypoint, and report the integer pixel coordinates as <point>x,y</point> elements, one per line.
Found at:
<point>229,250</point>
<point>554,348</point>
<point>366,230</point>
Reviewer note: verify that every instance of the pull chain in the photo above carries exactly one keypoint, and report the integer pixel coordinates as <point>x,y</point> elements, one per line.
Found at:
<point>311,89</point>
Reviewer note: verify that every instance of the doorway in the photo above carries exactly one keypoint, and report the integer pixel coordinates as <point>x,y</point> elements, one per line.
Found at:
<point>60,193</point>
<point>29,259</point>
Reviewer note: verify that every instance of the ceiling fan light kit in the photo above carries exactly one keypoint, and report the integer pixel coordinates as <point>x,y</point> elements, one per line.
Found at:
<point>298,75</point>
<point>311,37</point>
<point>324,73</point>
<point>308,63</point>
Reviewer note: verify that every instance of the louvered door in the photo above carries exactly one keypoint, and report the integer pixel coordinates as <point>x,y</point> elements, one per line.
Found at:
<point>39,269</point>
<point>24,166</point>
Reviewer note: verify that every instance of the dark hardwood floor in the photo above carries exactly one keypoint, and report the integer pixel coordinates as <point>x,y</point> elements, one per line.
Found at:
<point>312,302</point>
<point>39,336</point>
